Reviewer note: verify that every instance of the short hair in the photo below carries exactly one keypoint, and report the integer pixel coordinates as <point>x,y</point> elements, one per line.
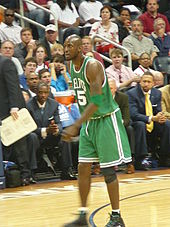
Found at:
<point>156,21</point>
<point>57,45</point>
<point>125,9</point>
<point>42,84</point>
<point>109,8</point>
<point>58,58</point>
<point>115,51</point>
<point>9,9</point>
<point>26,29</point>
<point>41,72</point>
<point>87,37</point>
<point>7,41</point>
<point>148,73</point>
<point>137,20</point>
<point>31,59</point>
<point>143,54</point>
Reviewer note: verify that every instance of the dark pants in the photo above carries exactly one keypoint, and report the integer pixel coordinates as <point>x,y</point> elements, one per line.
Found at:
<point>160,130</point>
<point>36,143</point>
<point>18,153</point>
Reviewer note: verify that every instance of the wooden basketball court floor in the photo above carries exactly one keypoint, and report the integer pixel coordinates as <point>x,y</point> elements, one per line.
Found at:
<point>144,201</point>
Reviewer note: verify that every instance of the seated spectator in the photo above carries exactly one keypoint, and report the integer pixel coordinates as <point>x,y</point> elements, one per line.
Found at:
<point>30,66</point>
<point>57,48</point>
<point>137,43</point>
<point>149,122</point>
<point>44,111</point>
<point>160,38</point>
<point>60,77</point>
<point>40,55</point>
<point>45,76</point>
<point>50,39</point>
<point>123,75</point>
<point>8,29</point>
<point>89,12</point>
<point>67,16</point>
<point>32,83</point>
<point>26,48</point>
<point>122,100</point>
<point>150,15</point>
<point>87,47</point>
<point>7,50</point>
<point>123,22</point>
<point>38,15</point>
<point>165,102</point>
<point>105,28</point>
<point>144,63</point>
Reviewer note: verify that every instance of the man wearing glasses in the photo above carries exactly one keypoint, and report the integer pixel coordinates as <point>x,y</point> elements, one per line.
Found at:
<point>8,29</point>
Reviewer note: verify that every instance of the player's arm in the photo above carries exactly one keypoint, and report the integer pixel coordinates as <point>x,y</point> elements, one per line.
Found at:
<point>95,76</point>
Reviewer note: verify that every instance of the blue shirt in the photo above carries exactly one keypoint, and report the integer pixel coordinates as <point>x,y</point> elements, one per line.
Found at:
<point>60,84</point>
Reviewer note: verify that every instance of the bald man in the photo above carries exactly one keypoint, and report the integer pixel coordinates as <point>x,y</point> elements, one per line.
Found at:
<point>102,136</point>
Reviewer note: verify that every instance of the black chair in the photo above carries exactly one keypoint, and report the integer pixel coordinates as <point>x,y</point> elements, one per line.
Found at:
<point>162,64</point>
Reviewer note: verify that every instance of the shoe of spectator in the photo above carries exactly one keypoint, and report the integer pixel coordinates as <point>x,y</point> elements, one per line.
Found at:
<point>130,169</point>
<point>115,221</point>
<point>32,180</point>
<point>81,221</point>
<point>143,165</point>
<point>68,176</point>
<point>25,181</point>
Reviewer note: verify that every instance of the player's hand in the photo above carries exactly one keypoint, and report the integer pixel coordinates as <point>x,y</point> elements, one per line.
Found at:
<point>69,133</point>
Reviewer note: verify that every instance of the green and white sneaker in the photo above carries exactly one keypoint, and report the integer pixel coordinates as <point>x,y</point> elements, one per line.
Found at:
<point>81,221</point>
<point>115,221</point>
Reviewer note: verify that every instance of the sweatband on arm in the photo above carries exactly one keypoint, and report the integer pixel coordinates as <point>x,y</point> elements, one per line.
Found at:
<point>96,99</point>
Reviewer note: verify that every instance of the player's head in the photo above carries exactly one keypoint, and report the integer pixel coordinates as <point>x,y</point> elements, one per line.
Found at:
<point>72,47</point>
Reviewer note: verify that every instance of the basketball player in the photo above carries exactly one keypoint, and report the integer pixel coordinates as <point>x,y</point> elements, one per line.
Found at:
<point>102,136</point>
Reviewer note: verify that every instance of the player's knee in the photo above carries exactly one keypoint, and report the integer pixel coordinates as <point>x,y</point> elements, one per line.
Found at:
<point>109,174</point>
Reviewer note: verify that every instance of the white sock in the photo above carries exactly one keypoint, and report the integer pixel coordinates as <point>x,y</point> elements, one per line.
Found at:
<point>116,211</point>
<point>83,209</point>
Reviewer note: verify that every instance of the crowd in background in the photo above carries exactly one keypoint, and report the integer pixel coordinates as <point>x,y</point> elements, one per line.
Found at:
<point>43,74</point>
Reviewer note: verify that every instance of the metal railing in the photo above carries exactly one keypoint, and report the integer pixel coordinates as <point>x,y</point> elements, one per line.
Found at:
<point>115,44</point>
<point>24,18</point>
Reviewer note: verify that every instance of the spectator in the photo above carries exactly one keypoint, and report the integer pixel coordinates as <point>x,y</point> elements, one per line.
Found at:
<point>122,100</point>
<point>144,63</point>
<point>89,12</point>
<point>123,75</point>
<point>48,134</point>
<point>105,28</point>
<point>160,38</point>
<point>148,121</point>
<point>40,55</point>
<point>8,29</point>
<point>32,83</point>
<point>26,48</point>
<point>123,22</point>
<point>60,77</point>
<point>137,43</point>
<point>87,47</point>
<point>45,76</point>
<point>50,39</point>
<point>150,15</point>
<point>57,48</point>
<point>11,100</point>
<point>67,16</point>
<point>7,50</point>
<point>30,66</point>
<point>38,14</point>
<point>165,102</point>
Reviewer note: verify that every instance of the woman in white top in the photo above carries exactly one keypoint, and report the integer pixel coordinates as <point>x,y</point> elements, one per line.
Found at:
<point>67,16</point>
<point>106,28</point>
<point>40,55</point>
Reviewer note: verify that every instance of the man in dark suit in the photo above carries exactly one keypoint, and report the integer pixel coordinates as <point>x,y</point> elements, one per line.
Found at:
<point>11,100</point>
<point>44,111</point>
<point>149,122</point>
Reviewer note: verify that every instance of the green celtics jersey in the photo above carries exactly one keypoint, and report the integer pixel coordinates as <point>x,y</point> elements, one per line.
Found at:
<point>82,89</point>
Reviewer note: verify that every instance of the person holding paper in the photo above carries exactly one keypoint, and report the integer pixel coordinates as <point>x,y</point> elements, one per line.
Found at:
<point>11,100</point>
